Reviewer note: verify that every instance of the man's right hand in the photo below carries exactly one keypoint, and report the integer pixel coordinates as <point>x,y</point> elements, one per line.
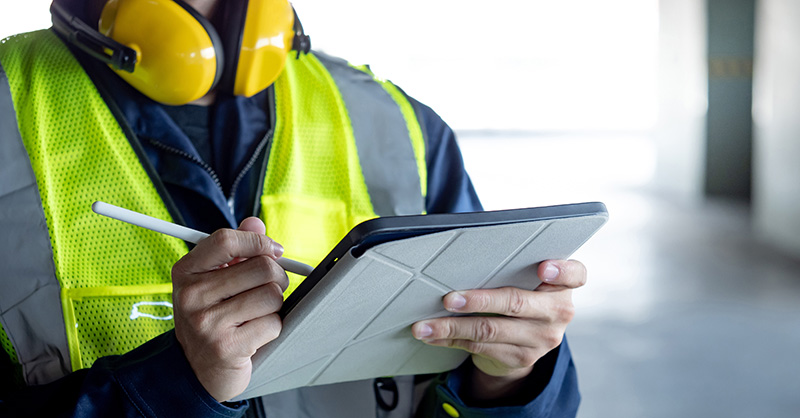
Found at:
<point>227,292</point>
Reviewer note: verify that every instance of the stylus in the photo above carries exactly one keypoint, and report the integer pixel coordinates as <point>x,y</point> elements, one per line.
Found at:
<point>178,231</point>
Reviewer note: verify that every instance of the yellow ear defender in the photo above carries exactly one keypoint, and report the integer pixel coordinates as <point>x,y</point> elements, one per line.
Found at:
<point>257,35</point>
<point>172,54</point>
<point>178,53</point>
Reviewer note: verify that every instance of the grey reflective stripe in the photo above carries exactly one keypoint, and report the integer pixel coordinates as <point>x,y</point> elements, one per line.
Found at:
<point>342,400</point>
<point>384,145</point>
<point>30,302</point>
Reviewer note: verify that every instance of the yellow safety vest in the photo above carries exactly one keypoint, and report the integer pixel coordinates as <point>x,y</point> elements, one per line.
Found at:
<point>346,147</point>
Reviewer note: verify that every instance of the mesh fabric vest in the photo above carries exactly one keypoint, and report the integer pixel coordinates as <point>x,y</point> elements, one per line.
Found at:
<point>114,277</point>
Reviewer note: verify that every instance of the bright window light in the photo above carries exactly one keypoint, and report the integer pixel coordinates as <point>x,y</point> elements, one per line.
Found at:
<point>23,16</point>
<point>501,65</point>
<point>505,65</point>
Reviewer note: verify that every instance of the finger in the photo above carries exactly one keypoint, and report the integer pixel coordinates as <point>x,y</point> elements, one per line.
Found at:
<point>566,273</point>
<point>253,224</point>
<point>210,288</point>
<point>223,246</point>
<point>254,303</point>
<point>483,329</point>
<point>257,332</point>
<point>509,301</point>
<point>240,277</point>
<point>508,356</point>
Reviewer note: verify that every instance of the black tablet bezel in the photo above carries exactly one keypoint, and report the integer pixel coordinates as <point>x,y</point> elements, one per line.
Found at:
<point>380,230</point>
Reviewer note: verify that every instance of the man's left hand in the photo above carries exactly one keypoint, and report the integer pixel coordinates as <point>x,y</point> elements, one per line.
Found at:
<point>530,324</point>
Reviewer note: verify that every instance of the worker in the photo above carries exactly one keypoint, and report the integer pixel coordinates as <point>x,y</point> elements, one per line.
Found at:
<point>218,116</point>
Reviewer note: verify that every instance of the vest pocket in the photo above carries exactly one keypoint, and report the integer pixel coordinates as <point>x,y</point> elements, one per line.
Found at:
<point>307,227</point>
<point>102,321</point>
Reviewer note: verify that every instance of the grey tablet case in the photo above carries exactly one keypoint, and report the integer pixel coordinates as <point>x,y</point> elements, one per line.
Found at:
<point>351,318</point>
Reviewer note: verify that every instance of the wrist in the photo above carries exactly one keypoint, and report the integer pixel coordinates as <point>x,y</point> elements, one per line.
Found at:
<point>483,389</point>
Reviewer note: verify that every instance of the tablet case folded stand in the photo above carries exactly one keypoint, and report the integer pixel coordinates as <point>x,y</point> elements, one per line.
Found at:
<point>355,322</point>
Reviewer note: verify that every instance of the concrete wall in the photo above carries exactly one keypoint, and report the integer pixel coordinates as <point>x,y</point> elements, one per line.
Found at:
<point>680,131</point>
<point>730,87</point>
<point>776,121</point>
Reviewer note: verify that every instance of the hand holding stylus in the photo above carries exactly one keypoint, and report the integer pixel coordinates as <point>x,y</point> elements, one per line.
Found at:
<point>227,293</point>
<point>223,315</point>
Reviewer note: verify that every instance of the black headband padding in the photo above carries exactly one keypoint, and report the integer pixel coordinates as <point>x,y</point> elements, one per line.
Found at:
<point>219,50</point>
<point>85,10</point>
<point>230,20</point>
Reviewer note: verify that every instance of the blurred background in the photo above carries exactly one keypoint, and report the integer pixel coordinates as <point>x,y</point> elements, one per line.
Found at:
<point>678,115</point>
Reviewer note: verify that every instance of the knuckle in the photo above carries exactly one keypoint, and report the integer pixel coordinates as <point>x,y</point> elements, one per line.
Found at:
<point>274,326</point>
<point>582,273</point>
<point>272,271</point>
<point>263,263</point>
<point>553,340</point>
<point>482,301</point>
<point>485,330</point>
<point>273,299</point>
<point>564,313</point>
<point>202,320</point>
<point>516,302</point>
<point>187,297</point>
<point>276,272</point>
<point>443,328</point>
<point>277,291</point>
<point>261,243</point>
<point>284,282</point>
<point>526,357</point>
<point>225,238</point>
<point>178,270</point>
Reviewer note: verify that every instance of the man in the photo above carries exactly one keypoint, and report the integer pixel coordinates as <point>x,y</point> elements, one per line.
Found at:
<point>311,151</point>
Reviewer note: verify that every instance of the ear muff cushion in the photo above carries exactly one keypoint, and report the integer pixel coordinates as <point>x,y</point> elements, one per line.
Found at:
<point>265,40</point>
<point>216,41</point>
<point>179,54</point>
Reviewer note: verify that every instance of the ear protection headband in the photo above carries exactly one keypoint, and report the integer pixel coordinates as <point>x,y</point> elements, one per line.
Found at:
<point>172,54</point>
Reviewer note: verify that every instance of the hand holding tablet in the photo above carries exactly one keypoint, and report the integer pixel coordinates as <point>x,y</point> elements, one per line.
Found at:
<point>389,273</point>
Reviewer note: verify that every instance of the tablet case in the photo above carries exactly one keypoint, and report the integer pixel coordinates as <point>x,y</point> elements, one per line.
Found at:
<point>355,322</point>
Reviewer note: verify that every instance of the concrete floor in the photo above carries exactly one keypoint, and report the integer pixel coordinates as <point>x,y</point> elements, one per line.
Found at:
<point>686,313</point>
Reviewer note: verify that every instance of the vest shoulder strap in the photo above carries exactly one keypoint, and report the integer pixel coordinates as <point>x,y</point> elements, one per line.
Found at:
<point>29,290</point>
<point>78,153</point>
<point>383,123</point>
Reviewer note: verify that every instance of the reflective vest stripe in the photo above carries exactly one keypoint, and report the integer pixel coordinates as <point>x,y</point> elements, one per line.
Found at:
<point>30,289</point>
<point>417,135</point>
<point>378,137</point>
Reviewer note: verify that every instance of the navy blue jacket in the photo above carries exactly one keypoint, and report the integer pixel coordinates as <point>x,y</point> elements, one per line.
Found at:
<point>210,160</point>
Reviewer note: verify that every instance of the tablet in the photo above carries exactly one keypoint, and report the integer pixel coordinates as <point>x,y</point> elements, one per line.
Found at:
<point>351,317</point>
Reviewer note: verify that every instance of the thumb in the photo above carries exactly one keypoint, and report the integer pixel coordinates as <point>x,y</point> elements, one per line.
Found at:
<point>253,224</point>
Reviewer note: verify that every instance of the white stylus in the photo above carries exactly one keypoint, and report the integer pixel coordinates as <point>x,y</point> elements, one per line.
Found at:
<point>178,231</point>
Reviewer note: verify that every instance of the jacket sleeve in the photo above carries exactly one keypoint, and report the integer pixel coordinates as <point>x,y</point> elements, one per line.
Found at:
<point>551,391</point>
<point>154,380</point>
<point>552,387</point>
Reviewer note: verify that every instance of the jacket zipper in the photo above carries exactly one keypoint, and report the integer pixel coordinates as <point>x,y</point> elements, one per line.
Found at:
<point>189,157</point>
<point>253,158</point>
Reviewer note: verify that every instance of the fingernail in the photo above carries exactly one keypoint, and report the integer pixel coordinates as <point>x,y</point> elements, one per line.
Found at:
<point>457,301</point>
<point>550,273</point>
<point>423,331</point>
<point>277,249</point>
